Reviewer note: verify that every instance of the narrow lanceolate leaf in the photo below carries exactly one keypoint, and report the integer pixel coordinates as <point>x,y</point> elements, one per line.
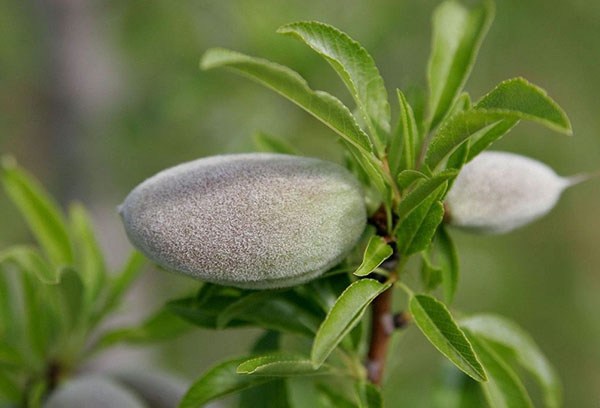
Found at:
<point>124,279</point>
<point>530,101</point>
<point>30,260</point>
<point>288,83</point>
<point>343,316</point>
<point>417,231</point>
<point>407,132</point>
<point>272,144</point>
<point>368,395</point>
<point>421,192</point>
<point>504,388</point>
<point>436,323</point>
<point>89,259</point>
<point>376,252</point>
<point>280,365</point>
<point>40,211</point>
<point>457,36</point>
<point>499,330</point>
<point>431,275</point>
<point>163,325</point>
<point>219,381</point>
<point>448,262</point>
<point>356,68</point>
<point>241,306</point>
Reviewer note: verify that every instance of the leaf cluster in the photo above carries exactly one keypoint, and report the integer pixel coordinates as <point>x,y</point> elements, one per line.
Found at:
<point>406,167</point>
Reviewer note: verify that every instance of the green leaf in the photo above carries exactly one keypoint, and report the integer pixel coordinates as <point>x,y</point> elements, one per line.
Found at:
<point>497,329</point>
<point>482,142</point>
<point>448,262</point>
<point>243,305</point>
<point>40,211</point>
<point>302,393</point>
<point>343,316</point>
<point>280,365</point>
<point>288,83</point>
<point>219,381</point>
<point>42,321</point>
<point>457,36</point>
<point>376,252</point>
<point>163,325</point>
<point>421,192</point>
<point>123,280</point>
<point>9,388</point>
<point>89,260</point>
<point>493,116</point>
<point>368,395</point>
<point>530,101</point>
<point>271,144</point>
<point>431,275</point>
<point>408,177</point>
<point>332,398</point>
<point>273,394</point>
<point>407,132</point>
<point>30,260</point>
<point>424,234</point>
<point>458,390</point>
<point>504,389</point>
<point>356,68</point>
<point>436,323</point>
<point>284,313</point>
<point>9,355</point>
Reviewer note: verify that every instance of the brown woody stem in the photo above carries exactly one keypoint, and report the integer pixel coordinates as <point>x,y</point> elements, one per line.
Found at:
<point>381,329</point>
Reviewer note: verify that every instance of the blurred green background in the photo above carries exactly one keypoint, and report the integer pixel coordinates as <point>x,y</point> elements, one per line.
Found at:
<point>98,95</point>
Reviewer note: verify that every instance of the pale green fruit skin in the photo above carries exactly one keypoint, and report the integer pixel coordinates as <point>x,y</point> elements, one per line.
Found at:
<point>256,220</point>
<point>498,191</point>
<point>92,392</point>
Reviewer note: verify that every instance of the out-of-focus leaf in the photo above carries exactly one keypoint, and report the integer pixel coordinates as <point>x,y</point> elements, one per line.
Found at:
<point>436,323</point>
<point>35,394</point>
<point>39,210</point>
<point>271,144</point>
<point>448,263</point>
<point>356,68</point>
<point>273,394</point>
<point>119,285</point>
<point>302,392</point>
<point>9,355</point>
<point>163,325</point>
<point>291,85</point>
<point>431,275</point>
<point>343,316</point>
<point>457,390</point>
<point>219,381</point>
<point>241,306</point>
<point>368,395</point>
<point>30,260</point>
<point>376,252</point>
<point>498,329</point>
<point>504,389</point>
<point>9,388</point>
<point>420,193</point>
<point>280,365</point>
<point>457,36</point>
<point>89,261</point>
<point>334,399</point>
